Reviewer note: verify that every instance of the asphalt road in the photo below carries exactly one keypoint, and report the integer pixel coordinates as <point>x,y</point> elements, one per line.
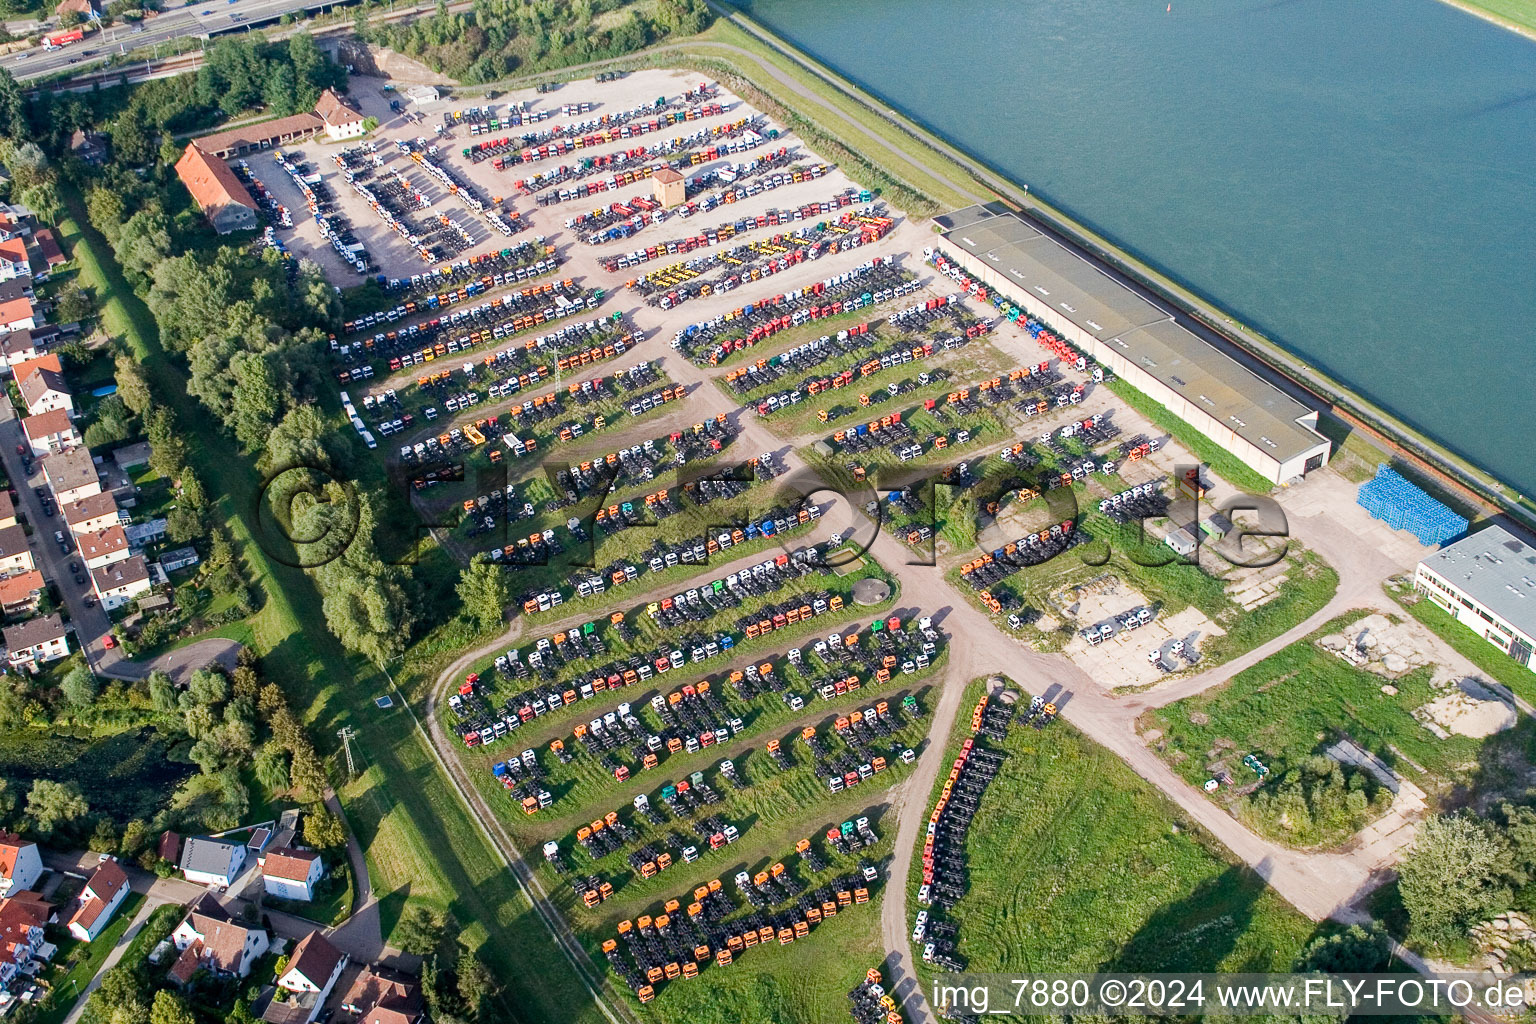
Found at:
<point>91,623</point>
<point>195,19</point>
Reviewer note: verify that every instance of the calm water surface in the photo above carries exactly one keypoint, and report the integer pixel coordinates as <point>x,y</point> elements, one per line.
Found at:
<point>1355,178</point>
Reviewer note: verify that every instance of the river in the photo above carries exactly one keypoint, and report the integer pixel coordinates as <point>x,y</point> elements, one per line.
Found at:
<point>1354,178</point>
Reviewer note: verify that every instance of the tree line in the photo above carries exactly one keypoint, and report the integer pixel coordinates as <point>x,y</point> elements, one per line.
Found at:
<point>499,37</point>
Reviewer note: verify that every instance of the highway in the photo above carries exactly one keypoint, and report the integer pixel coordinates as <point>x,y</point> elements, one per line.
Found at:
<point>198,19</point>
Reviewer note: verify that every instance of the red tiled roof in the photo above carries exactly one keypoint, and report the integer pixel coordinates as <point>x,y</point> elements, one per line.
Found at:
<point>334,110</point>
<point>15,309</point>
<point>102,888</point>
<point>48,246</point>
<point>288,863</point>
<point>92,506</point>
<point>11,845</point>
<point>212,184</point>
<point>18,589</point>
<point>24,368</point>
<point>13,249</point>
<point>314,958</point>
<point>103,542</point>
<point>46,424</point>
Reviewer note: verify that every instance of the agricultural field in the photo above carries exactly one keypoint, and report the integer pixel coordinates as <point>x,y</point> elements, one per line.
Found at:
<point>1075,864</point>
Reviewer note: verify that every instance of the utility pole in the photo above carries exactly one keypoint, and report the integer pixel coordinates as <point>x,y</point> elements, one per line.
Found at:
<point>348,734</point>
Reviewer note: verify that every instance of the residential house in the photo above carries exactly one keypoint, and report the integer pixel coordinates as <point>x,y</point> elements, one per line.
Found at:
<point>179,558</point>
<point>342,121</point>
<point>104,892</point>
<point>37,641</point>
<point>17,313</point>
<point>384,995</point>
<point>48,252</point>
<point>86,10</point>
<point>150,531</point>
<point>120,582</point>
<point>313,969</point>
<point>103,547</point>
<point>20,594</point>
<point>22,920</point>
<point>43,390</point>
<point>209,939</point>
<point>13,259</point>
<point>50,432</point>
<point>290,873</point>
<point>72,475</point>
<point>13,221</point>
<point>7,509</point>
<point>91,147</point>
<point>19,347</point>
<point>20,864</point>
<point>15,554</point>
<point>221,196</point>
<point>91,514</point>
<point>211,861</point>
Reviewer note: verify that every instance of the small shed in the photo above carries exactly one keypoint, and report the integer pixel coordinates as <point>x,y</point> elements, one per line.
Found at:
<point>421,95</point>
<point>1181,541</point>
<point>670,188</point>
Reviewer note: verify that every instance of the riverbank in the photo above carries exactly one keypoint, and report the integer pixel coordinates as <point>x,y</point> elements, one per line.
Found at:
<point>1514,15</point>
<point>1351,414</point>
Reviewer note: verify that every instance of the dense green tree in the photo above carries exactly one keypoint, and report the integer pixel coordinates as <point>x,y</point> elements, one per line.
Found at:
<point>324,830</point>
<point>80,687</point>
<point>162,692</point>
<point>169,1009</point>
<point>54,805</point>
<point>144,242</point>
<point>271,767</point>
<point>43,200</point>
<point>420,930</point>
<point>1451,876</point>
<point>476,984</point>
<point>485,590</point>
<point>1356,950</point>
<point>13,105</point>
<point>133,137</point>
<point>207,687</point>
<point>132,388</point>
<point>74,304</point>
<point>111,422</point>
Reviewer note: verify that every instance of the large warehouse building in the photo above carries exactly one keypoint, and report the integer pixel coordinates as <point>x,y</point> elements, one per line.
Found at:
<point>1140,341</point>
<point>1487,581</point>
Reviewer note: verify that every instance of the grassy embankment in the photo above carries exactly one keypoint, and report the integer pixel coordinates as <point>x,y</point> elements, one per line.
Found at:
<point>421,842</point>
<point>1076,864</point>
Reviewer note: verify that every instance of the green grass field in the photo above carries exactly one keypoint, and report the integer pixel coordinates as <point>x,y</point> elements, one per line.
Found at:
<point>1076,864</point>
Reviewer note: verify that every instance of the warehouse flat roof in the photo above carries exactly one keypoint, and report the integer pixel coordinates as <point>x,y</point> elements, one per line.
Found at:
<point>1078,290</point>
<point>1496,569</point>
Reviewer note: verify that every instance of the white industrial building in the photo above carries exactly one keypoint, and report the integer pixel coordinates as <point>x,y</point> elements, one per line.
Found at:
<point>1139,340</point>
<point>1487,581</point>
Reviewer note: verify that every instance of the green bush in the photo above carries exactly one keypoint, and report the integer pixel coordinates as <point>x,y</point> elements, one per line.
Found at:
<point>1320,801</point>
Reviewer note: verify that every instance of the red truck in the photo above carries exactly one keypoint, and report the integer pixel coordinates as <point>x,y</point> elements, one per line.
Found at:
<point>59,39</point>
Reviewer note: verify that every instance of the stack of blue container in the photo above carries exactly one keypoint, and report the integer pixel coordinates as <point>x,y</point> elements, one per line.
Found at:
<point>1403,506</point>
